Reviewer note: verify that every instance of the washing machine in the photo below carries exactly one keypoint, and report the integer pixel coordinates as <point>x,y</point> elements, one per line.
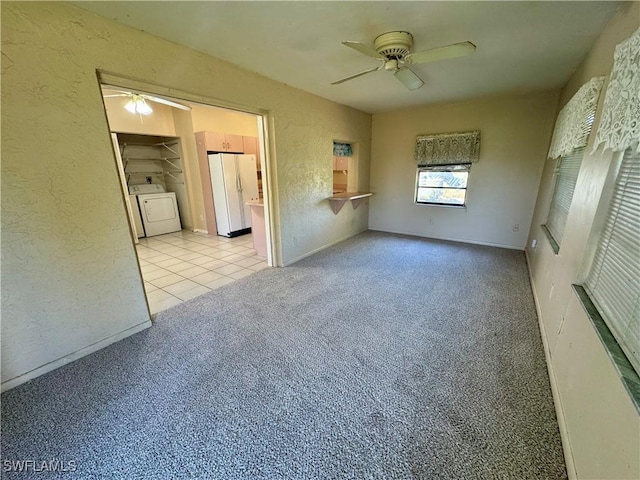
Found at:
<point>158,209</point>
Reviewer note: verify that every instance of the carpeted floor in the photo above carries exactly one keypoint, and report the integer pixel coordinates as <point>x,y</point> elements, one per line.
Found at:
<point>384,357</point>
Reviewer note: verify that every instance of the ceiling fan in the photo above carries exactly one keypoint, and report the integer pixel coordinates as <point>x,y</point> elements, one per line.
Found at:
<point>138,101</point>
<point>392,49</point>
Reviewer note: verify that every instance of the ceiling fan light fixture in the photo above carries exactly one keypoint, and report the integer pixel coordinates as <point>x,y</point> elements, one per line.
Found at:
<point>137,104</point>
<point>391,65</point>
<point>144,108</point>
<point>409,79</point>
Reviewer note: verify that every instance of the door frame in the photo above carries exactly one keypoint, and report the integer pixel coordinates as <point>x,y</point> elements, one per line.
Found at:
<point>266,127</point>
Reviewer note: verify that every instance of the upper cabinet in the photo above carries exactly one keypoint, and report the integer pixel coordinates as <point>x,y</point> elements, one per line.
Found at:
<point>250,145</point>
<point>341,163</point>
<point>223,142</point>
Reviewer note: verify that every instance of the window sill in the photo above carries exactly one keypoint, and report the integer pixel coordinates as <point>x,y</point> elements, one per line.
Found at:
<point>625,370</point>
<point>552,241</point>
<point>445,205</point>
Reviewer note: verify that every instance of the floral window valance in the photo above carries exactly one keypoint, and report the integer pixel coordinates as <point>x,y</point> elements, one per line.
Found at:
<point>342,150</point>
<point>575,120</point>
<point>447,148</point>
<point>619,126</point>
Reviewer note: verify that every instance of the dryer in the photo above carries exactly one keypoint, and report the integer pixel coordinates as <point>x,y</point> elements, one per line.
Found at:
<point>158,209</point>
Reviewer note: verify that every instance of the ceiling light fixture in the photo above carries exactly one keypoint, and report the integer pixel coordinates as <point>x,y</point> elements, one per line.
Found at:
<point>137,104</point>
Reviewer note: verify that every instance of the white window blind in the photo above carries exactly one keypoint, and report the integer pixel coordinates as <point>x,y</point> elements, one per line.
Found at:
<point>613,282</point>
<point>566,177</point>
<point>574,121</point>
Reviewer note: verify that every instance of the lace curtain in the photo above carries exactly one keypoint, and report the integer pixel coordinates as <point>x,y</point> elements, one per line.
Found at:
<point>619,126</point>
<point>447,148</point>
<point>575,120</point>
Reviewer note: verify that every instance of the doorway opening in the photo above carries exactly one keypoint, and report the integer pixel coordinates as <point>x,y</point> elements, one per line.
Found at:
<point>191,176</point>
<point>345,167</point>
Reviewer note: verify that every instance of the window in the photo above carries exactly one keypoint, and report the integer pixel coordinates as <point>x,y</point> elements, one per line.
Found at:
<point>442,184</point>
<point>613,282</point>
<point>566,177</point>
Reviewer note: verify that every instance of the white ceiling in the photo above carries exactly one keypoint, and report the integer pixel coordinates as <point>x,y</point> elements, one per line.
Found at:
<point>521,46</point>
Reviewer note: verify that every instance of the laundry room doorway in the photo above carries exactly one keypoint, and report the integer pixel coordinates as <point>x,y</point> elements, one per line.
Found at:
<point>195,196</point>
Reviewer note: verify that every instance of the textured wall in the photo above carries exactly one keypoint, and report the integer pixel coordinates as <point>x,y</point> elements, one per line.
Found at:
<point>502,185</point>
<point>601,428</point>
<point>69,273</point>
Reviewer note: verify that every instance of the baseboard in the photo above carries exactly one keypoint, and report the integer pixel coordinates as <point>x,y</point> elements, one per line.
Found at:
<point>199,230</point>
<point>36,372</point>
<point>319,249</point>
<point>557,401</point>
<point>450,239</point>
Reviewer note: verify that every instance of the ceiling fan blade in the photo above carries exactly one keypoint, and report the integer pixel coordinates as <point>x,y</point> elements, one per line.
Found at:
<point>355,76</point>
<point>450,51</point>
<point>165,102</point>
<point>362,48</point>
<point>409,79</point>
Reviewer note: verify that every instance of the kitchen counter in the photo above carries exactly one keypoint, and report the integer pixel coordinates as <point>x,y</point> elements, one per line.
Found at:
<point>338,200</point>
<point>258,229</point>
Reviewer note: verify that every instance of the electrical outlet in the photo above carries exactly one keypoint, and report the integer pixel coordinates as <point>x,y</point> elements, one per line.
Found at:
<point>516,227</point>
<point>534,243</point>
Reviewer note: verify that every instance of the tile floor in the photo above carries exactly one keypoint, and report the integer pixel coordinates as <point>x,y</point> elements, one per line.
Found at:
<point>182,265</point>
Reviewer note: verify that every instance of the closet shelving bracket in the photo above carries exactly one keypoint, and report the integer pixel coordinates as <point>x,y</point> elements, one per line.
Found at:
<point>168,160</point>
<point>165,145</point>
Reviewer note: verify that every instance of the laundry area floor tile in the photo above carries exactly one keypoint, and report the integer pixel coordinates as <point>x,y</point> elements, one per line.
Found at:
<point>182,265</point>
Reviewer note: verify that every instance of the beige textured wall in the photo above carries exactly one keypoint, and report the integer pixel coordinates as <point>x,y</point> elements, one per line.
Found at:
<point>502,186</point>
<point>69,273</point>
<point>600,425</point>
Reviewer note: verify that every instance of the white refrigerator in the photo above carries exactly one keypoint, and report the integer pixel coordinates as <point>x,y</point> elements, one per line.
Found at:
<point>234,181</point>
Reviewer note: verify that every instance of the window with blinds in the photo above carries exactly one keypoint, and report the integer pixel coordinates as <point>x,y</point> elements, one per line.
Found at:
<point>566,177</point>
<point>613,282</point>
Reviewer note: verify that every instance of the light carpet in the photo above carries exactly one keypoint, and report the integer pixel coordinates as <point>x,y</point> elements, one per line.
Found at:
<point>383,357</point>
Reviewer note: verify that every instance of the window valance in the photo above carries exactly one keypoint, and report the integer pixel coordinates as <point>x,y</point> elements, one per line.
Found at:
<point>619,126</point>
<point>575,120</point>
<point>342,150</point>
<point>447,148</point>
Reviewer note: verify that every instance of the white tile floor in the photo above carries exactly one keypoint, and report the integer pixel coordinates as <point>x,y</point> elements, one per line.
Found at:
<point>182,265</point>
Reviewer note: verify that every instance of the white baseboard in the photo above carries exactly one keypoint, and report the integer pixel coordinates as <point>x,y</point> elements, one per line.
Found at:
<point>319,249</point>
<point>557,401</point>
<point>450,239</point>
<point>36,372</point>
